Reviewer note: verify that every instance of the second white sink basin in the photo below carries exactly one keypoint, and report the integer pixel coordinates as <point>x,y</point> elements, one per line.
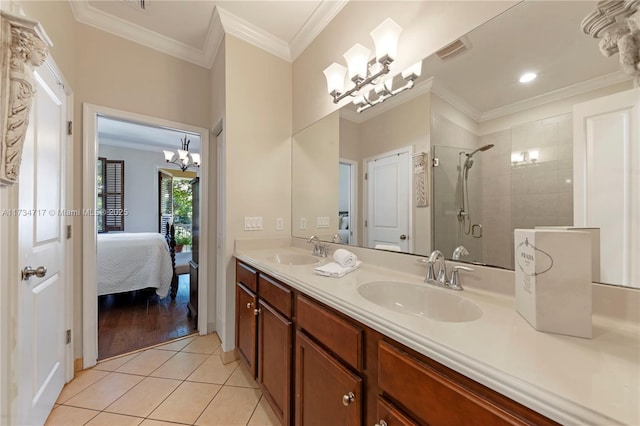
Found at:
<point>293,259</point>
<point>421,301</point>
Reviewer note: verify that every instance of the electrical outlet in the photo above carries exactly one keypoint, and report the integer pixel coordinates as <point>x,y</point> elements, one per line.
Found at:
<point>303,223</point>
<point>279,224</point>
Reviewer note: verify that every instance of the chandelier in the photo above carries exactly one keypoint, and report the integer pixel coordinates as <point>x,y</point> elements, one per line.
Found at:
<point>183,158</point>
<point>365,73</point>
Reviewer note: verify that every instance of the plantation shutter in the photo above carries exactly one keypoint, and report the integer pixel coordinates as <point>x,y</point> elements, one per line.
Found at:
<point>113,195</point>
<point>166,200</point>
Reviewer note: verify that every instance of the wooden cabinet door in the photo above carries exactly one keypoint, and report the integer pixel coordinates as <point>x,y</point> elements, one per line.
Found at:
<point>327,393</point>
<point>246,326</point>
<point>274,360</point>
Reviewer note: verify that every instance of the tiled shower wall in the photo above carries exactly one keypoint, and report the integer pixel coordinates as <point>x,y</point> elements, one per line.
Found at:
<point>526,194</point>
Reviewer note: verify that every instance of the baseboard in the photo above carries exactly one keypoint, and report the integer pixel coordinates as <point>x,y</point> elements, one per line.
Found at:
<point>77,365</point>
<point>228,356</point>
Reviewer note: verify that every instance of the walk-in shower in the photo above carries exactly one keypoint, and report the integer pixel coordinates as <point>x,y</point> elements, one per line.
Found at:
<point>464,212</point>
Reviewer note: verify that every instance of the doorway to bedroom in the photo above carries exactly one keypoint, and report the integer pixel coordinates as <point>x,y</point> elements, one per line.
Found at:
<point>143,296</point>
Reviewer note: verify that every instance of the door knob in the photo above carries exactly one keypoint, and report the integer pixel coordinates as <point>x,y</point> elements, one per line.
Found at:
<point>28,272</point>
<point>348,399</point>
<point>403,237</point>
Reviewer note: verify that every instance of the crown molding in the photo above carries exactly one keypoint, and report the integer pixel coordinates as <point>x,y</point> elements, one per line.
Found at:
<point>455,101</point>
<point>556,95</point>
<point>138,146</point>
<point>85,13</point>
<point>248,32</point>
<point>389,104</point>
<point>320,18</point>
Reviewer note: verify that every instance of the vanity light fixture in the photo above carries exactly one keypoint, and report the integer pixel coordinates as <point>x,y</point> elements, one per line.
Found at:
<point>183,158</point>
<point>385,90</point>
<point>363,71</point>
<point>524,157</point>
<point>528,77</point>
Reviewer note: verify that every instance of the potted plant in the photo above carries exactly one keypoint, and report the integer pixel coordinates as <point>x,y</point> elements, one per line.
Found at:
<point>183,238</point>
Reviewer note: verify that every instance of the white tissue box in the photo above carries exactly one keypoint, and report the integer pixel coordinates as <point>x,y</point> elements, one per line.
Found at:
<point>553,280</point>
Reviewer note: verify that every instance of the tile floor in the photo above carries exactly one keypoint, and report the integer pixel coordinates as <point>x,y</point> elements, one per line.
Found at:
<point>183,382</point>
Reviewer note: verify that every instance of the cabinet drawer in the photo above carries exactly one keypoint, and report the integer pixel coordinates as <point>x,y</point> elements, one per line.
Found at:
<point>339,336</point>
<point>392,416</point>
<point>247,276</point>
<point>432,397</point>
<point>279,296</point>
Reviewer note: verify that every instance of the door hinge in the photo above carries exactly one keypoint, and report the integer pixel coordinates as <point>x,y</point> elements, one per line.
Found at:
<point>68,336</point>
<point>436,162</point>
<point>68,231</point>
<point>365,223</point>
<point>69,128</point>
<point>366,176</point>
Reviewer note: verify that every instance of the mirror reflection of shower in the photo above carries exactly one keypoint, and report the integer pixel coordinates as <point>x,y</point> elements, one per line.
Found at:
<point>464,212</point>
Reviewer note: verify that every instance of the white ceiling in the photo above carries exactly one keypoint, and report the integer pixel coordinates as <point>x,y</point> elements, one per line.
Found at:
<point>192,30</point>
<point>127,134</point>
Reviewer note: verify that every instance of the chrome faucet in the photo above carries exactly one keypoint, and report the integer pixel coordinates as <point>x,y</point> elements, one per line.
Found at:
<point>441,279</point>
<point>319,249</point>
<point>459,252</point>
<point>437,257</point>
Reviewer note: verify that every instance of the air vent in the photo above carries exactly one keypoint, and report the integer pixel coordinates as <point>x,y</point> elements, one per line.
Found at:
<point>455,48</point>
<point>137,4</point>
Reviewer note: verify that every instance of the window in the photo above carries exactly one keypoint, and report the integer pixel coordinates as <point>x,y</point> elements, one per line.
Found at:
<point>110,200</point>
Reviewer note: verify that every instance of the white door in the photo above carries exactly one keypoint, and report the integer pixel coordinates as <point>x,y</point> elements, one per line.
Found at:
<point>388,202</point>
<point>41,300</point>
<point>607,173</point>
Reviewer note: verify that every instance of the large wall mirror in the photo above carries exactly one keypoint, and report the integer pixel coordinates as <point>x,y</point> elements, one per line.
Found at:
<point>493,154</point>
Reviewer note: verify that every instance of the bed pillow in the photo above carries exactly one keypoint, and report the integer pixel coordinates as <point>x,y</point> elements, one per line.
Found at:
<point>344,222</point>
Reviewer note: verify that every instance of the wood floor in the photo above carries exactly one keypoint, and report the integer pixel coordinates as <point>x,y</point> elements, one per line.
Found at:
<point>136,320</point>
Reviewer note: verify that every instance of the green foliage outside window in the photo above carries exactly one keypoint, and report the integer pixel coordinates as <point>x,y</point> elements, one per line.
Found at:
<point>182,209</point>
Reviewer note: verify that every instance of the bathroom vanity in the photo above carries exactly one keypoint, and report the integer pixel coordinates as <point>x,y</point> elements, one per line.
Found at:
<point>323,352</point>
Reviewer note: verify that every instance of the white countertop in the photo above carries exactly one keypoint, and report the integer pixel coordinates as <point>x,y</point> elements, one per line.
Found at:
<point>569,379</point>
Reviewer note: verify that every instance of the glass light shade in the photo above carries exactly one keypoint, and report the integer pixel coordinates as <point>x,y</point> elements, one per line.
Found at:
<point>182,154</point>
<point>359,100</point>
<point>517,157</point>
<point>195,158</point>
<point>168,155</point>
<point>384,88</point>
<point>533,155</point>
<point>357,61</point>
<point>386,36</point>
<point>335,77</point>
<point>413,72</point>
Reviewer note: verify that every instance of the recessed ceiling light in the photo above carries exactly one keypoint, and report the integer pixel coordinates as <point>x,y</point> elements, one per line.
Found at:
<point>527,77</point>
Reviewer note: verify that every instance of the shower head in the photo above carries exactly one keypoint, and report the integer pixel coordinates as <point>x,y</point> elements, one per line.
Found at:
<point>469,162</point>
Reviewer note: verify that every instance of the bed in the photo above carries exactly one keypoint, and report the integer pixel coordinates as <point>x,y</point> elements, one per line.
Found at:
<point>343,227</point>
<point>135,261</point>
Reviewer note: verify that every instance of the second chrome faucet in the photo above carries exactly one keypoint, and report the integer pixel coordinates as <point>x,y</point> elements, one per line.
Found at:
<point>441,278</point>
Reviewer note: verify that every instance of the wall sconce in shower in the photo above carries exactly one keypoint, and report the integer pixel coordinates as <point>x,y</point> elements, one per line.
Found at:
<point>363,71</point>
<point>524,157</point>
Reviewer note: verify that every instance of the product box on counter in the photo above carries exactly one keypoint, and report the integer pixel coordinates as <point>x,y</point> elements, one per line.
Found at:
<point>553,280</point>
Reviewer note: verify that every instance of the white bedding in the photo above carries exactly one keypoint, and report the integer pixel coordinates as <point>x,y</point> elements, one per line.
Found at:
<point>129,262</point>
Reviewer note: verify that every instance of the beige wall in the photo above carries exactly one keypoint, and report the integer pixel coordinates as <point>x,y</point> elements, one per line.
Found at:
<point>427,26</point>
<point>258,155</point>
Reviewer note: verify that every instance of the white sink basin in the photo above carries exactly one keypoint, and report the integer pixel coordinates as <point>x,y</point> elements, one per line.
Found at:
<point>293,259</point>
<point>421,301</point>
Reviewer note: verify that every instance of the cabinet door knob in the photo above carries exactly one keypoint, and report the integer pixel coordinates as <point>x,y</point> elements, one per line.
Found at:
<point>381,423</point>
<point>348,399</point>
<point>257,311</point>
<point>249,305</point>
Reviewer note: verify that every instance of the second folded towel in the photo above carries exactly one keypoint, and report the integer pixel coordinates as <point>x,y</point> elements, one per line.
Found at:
<point>345,258</point>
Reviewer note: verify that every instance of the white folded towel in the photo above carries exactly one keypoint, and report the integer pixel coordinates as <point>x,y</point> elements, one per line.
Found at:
<point>334,269</point>
<point>345,258</point>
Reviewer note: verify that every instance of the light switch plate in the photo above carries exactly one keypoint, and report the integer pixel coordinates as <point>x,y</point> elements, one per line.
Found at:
<point>279,224</point>
<point>322,222</point>
<point>303,223</point>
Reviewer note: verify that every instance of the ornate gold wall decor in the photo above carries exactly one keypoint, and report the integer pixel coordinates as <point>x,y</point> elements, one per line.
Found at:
<point>617,23</point>
<point>23,46</point>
